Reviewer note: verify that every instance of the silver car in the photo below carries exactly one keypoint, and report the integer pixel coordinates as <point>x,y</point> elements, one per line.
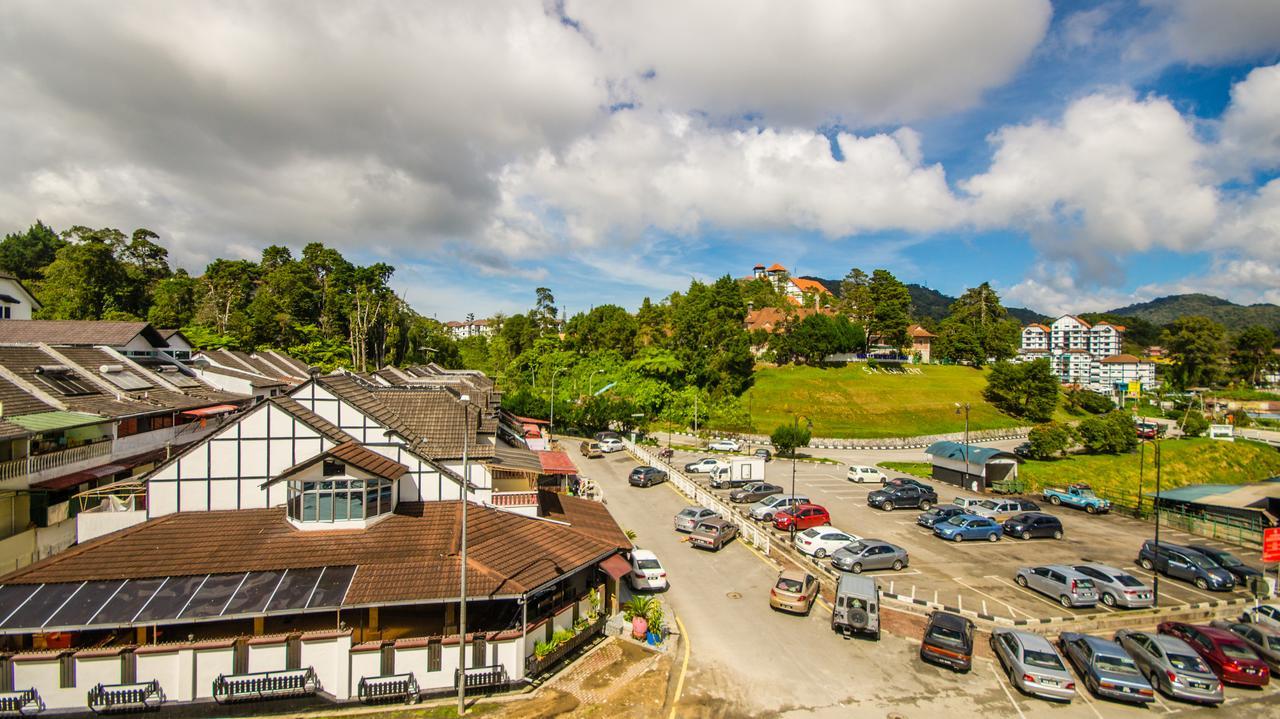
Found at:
<point>1032,663</point>
<point>1069,587</point>
<point>1263,641</point>
<point>869,554</point>
<point>1171,666</point>
<point>688,518</point>
<point>764,510</point>
<point>1105,668</point>
<point>1116,587</point>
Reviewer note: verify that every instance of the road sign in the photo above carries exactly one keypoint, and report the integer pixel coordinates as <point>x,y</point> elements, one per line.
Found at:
<point>1271,544</point>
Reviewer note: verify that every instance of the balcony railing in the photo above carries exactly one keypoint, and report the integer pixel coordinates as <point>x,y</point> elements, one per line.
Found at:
<point>515,499</point>
<point>24,466</point>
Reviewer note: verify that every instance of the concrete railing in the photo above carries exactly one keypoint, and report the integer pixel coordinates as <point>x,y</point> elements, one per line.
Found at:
<point>758,537</point>
<point>25,466</point>
<point>888,443</point>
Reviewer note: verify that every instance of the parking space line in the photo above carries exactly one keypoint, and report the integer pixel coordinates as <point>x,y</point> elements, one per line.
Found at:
<point>1012,610</point>
<point>1004,685</point>
<point>1083,691</point>
<point>1166,707</point>
<point>1173,583</point>
<point>1036,595</point>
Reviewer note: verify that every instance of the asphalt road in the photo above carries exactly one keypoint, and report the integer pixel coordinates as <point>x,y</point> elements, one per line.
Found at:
<point>750,661</point>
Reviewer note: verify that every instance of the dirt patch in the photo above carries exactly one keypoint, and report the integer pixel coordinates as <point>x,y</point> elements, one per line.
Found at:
<point>701,706</point>
<point>608,674</point>
<point>550,703</point>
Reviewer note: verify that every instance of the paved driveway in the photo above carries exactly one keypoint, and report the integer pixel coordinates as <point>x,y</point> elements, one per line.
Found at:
<point>749,661</point>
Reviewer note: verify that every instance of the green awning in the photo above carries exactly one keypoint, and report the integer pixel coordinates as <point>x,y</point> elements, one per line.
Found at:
<point>45,421</point>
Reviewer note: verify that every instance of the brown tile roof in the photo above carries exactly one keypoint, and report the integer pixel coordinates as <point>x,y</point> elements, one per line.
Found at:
<point>412,555</point>
<point>356,455</point>
<point>584,515</point>
<point>16,401</point>
<point>1038,326</point>
<point>918,331</point>
<point>771,319</point>
<point>810,285</point>
<point>358,393</point>
<point>79,332</point>
<point>1121,359</point>
<point>775,267</point>
<point>436,416</point>
<point>254,380</point>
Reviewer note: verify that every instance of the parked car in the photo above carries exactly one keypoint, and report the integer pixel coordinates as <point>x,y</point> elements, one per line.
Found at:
<point>1069,587</point>
<point>999,508</point>
<point>713,533</point>
<point>1033,524</point>
<point>968,526</point>
<point>611,444</point>
<point>646,476</point>
<point>908,481</point>
<point>938,514</point>
<point>725,445</point>
<point>1242,572</point>
<point>1173,668</point>
<point>857,606</point>
<point>1264,642</point>
<point>866,554</point>
<point>948,640</point>
<point>1181,563</point>
<point>1033,665</point>
<point>1106,668</point>
<point>1146,430</point>
<point>794,591</point>
<point>908,495</point>
<point>765,509</point>
<point>590,449</point>
<point>763,453</point>
<point>1116,587</point>
<point>801,516</point>
<point>860,474</point>
<point>821,541</point>
<point>968,504</point>
<point>1078,495</point>
<point>647,573</point>
<point>688,518</point>
<point>1267,615</point>
<point>1225,653</point>
<point>705,465</point>
<point>754,492</point>
<point>1023,450</point>
<point>602,436</point>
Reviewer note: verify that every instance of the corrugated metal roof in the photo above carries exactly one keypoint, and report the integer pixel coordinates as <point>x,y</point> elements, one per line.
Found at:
<point>977,455</point>
<point>1192,492</point>
<point>43,421</point>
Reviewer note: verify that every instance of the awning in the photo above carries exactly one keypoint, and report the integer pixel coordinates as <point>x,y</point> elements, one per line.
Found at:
<point>211,411</point>
<point>616,567</point>
<point>46,421</point>
<point>515,459</point>
<point>530,420</point>
<point>556,463</point>
<point>67,481</point>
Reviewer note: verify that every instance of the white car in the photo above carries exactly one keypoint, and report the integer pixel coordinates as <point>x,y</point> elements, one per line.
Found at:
<point>821,541</point>
<point>706,466</point>
<point>647,573</point>
<point>725,445</point>
<point>968,504</point>
<point>861,474</point>
<point>764,510</point>
<point>1264,615</point>
<point>689,517</point>
<point>611,444</point>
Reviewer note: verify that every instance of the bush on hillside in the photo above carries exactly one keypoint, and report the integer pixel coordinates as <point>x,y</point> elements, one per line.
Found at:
<point>1081,400</point>
<point>1050,439</point>
<point>1195,424</point>
<point>1112,433</point>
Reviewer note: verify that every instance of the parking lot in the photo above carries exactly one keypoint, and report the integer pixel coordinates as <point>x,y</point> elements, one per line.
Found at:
<point>749,661</point>
<point>978,575</point>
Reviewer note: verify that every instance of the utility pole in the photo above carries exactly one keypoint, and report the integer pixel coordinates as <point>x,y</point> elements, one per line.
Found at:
<point>462,582</point>
<point>965,408</point>
<point>1155,569</point>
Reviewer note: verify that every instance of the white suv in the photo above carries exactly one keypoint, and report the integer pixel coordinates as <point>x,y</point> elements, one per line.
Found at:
<point>725,445</point>
<point>866,474</point>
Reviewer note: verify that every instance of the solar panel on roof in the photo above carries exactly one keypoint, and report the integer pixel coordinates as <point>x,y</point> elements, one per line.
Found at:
<point>127,602</point>
<point>13,595</point>
<point>252,596</point>
<point>85,604</point>
<point>295,589</point>
<point>213,596</point>
<point>37,610</point>
<point>332,587</point>
<point>126,380</point>
<point>64,383</point>
<point>169,599</point>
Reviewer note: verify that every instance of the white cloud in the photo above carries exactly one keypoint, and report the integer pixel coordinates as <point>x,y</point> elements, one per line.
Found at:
<point>677,173</point>
<point>812,62</point>
<point>1252,226</point>
<point>1250,130</point>
<point>1116,175</point>
<point>1209,31</point>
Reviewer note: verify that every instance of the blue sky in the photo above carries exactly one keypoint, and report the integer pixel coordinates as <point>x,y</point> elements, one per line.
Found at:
<point>1078,155</point>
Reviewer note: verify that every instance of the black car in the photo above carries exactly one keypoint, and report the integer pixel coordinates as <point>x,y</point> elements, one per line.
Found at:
<point>646,477</point>
<point>763,453</point>
<point>948,640</point>
<point>1033,524</point>
<point>938,514</point>
<point>1023,450</point>
<point>598,436</point>
<point>1241,571</point>
<point>907,481</point>
<point>903,495</point>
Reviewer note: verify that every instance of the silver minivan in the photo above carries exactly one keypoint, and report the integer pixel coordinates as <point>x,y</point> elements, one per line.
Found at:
<point>1069,587</point>
<point>764,510</point>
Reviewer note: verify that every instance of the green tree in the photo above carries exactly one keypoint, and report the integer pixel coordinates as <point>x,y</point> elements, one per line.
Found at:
<point>855,297</point>
<point>26,254</point>
<point>787,438</point>
<point>651,323</point>
<point>1197,346</point>
<point>1050,439</point>
<point>607,327</point>
<point>226,288</point>
<point>1025,389</point>
<point>1252,352</point>
<point>891,313</point>
<point>978,329</point>
<point>544,312</point>
<point>1195,424</point>
<point>85,280</point>
<point>1112,433</point>
<point>708,338</point>
<point>1082,400</point>
<point>173,301</point>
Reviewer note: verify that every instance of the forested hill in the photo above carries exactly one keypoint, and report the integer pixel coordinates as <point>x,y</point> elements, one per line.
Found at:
<point>932,304</point>
<point>1234,317</point>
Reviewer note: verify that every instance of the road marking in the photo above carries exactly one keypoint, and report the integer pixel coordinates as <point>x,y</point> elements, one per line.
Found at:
<point>1004,685</point>
<point>1170,581</point>
<point>1013,612</point>
<point>1035,595</point>
<point>1083,691</point>
<point>1162,704</point>
<point>683,666</point>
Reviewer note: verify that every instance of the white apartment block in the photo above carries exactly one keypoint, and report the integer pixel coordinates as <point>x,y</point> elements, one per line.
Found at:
<point>470,328</point>
<point>1121,370</point>
<point>1084,354</point>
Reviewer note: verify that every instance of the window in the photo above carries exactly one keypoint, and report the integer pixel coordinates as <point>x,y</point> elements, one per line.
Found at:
<point>333,468</point>
<point>478,647</point>
<point>4,312</point>
<point>339,500</point>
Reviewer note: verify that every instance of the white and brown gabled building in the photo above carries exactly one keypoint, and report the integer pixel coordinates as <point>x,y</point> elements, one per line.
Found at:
<point>798,290</point>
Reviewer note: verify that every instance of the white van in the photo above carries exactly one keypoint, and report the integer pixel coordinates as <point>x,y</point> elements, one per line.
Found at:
<point>861,474</point>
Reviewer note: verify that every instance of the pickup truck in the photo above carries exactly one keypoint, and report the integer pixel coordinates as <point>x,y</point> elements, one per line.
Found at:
<point>1080,496</point>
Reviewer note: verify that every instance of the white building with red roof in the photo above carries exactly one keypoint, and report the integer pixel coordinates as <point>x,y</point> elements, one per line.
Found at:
<point>797,290</point>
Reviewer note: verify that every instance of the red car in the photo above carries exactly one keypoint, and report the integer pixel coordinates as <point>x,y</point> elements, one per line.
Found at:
<point>802,516</point>
<point>1227,654</point>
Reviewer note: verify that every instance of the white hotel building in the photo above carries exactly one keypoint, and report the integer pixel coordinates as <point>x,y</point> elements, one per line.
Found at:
<point>1084,354</point>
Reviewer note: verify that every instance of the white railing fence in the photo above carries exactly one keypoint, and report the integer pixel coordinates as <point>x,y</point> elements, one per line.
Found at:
<point>759,538</point>
<point>31,465</point>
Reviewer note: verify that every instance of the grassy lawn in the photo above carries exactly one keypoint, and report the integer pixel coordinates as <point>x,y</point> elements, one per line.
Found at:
<point>922,470</point>
<point>848,402</point>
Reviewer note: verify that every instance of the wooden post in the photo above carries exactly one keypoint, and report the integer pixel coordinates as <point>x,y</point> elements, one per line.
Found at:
<point>259,626</point>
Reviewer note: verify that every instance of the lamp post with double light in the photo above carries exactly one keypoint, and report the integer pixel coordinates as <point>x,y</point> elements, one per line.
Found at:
<point>795,425</point>
<point>964,407</point>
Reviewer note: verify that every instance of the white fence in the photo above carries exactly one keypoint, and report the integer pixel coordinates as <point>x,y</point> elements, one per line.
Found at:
<point>758,537</point>
<point>24,466</point>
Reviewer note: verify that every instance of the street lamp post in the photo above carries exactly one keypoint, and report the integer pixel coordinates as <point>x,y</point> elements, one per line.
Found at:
<point>1155,575</point>
<point>591,382</point>
<point>795,424</point>
<point>462,582</point>
<point>552,429</point>
<point>965,408</point>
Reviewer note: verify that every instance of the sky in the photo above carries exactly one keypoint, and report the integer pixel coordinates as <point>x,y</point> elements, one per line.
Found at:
<point>1077,155</point>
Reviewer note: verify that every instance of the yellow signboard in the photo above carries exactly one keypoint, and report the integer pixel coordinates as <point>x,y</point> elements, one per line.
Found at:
<point>1135,389</point>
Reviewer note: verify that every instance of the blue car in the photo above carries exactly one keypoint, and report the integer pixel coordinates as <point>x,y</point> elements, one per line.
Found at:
<point>938,514</point>
<point>969,526</point>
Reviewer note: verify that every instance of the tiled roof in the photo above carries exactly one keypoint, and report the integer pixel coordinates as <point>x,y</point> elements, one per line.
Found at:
<point>810,285</point>
<point>918,331</point>
<point>360,395</point>
<point>254,380</point>
<point>361,457</point>
<point>16,401</point>
<point>775,267</point>
<point>1121,359</point>
<point>436,416</point>
<point>1037,325</point>
<point>771,319</point>
<point>412,555</point>
<point>584,515</point>
<point>79,332</point>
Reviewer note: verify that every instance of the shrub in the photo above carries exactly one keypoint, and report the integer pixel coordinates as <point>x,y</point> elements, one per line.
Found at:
<point>1091,402</point>
<point>1112,433</point>
<point>561,636</point>
<point>542,649</point>
<point>1050,439</point>
<point>638,606</point>
<point>1195,424</point>
<point>787,437</point>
